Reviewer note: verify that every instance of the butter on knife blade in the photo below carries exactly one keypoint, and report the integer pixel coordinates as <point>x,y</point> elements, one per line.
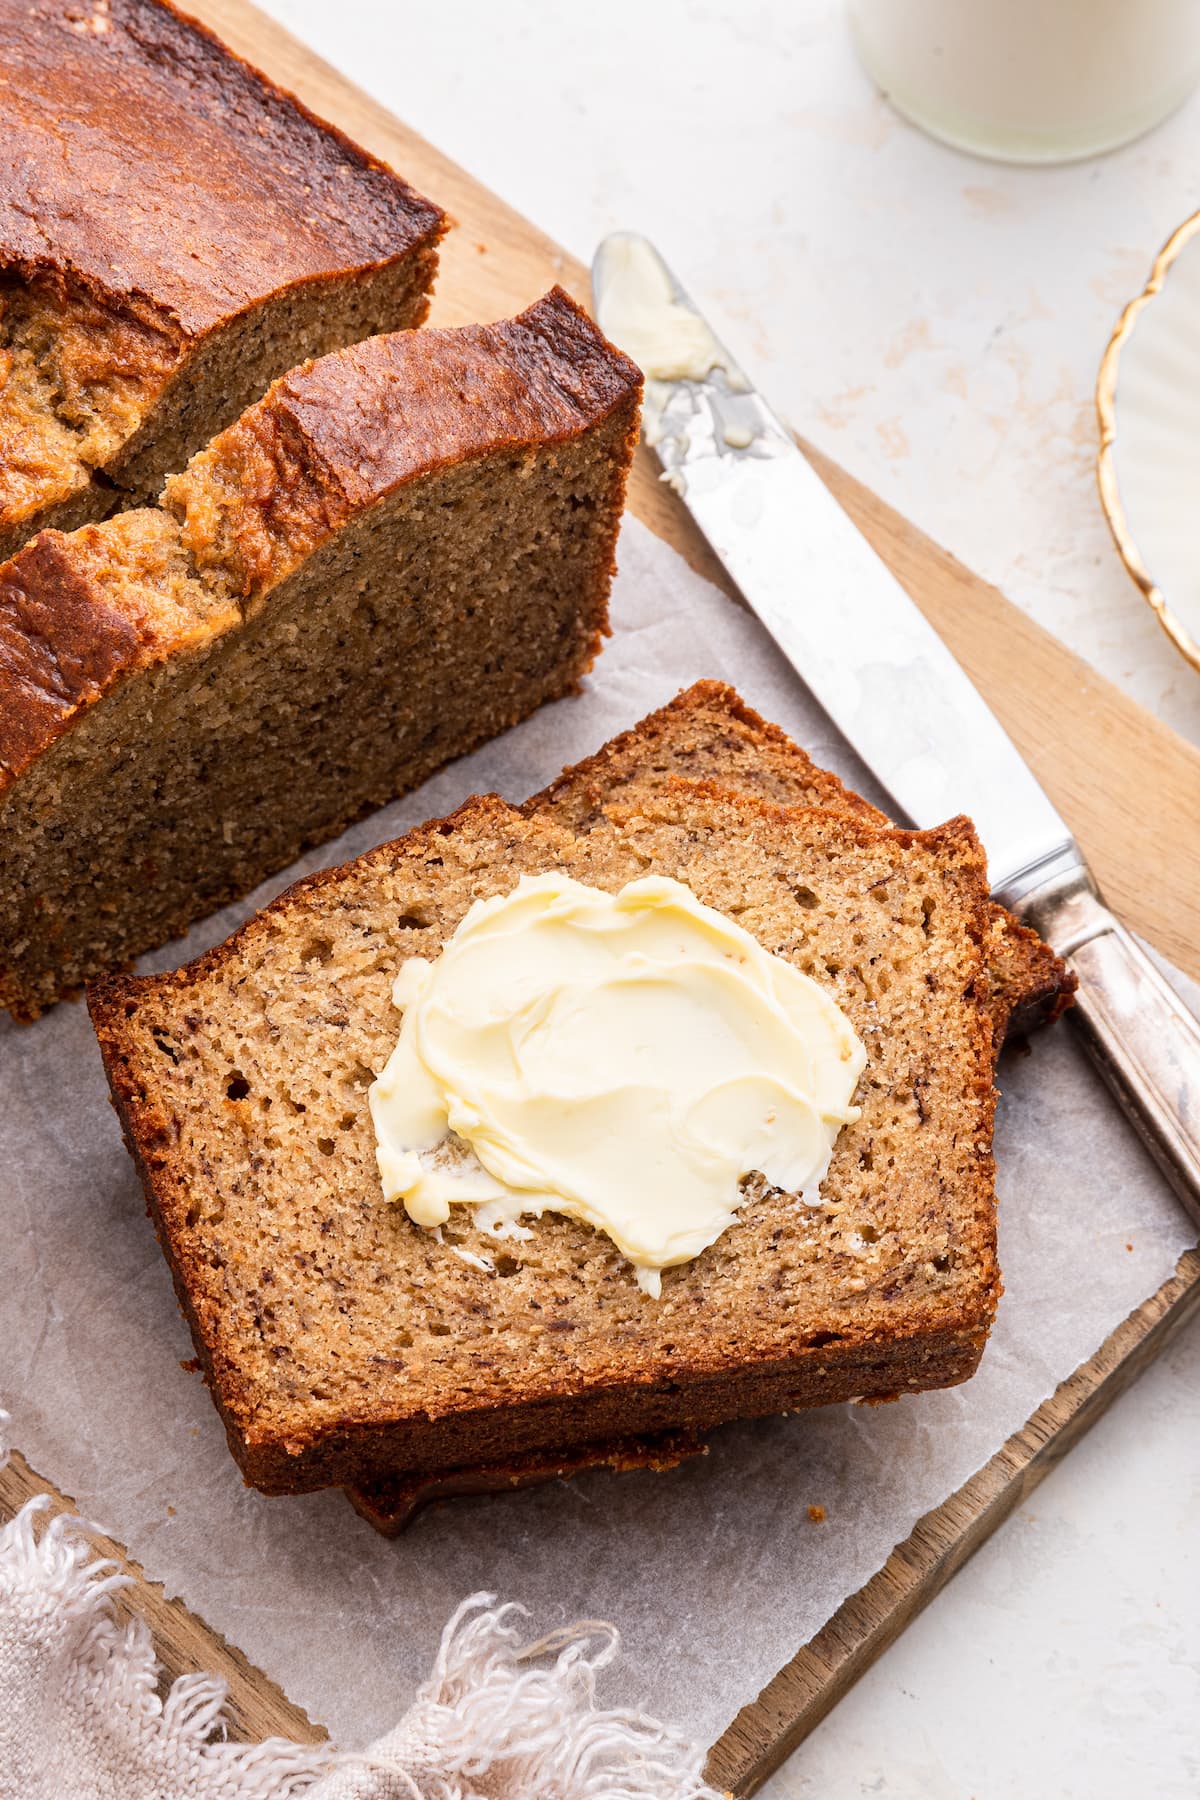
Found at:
<point>834,608</point>
<point>666,337</point>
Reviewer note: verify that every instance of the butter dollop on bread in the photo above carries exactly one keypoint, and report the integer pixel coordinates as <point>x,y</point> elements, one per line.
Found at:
<point>628,1059</point>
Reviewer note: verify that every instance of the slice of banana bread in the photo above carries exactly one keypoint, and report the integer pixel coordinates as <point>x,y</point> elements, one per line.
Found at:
<point>175,231</point>
<point>708,732</point>
<point>401,550</point>
<point>344,1345</point>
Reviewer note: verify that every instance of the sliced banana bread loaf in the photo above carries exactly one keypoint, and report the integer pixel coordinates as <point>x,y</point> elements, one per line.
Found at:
<point>401,550</point>
<point>175,231</point>
<point>346,1345</point>
<point>709,733</point>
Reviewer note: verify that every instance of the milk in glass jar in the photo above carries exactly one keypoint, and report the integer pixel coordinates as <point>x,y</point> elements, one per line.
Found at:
<point>1031,80</point>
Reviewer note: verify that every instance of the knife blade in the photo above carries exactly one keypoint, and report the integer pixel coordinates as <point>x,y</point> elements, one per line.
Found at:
<point>877,667</point>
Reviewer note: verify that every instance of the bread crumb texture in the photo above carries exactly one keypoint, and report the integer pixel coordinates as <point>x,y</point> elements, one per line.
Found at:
<point>344,1344</point>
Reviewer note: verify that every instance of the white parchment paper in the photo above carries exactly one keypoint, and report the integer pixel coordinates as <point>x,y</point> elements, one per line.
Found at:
<point>714,1572</point>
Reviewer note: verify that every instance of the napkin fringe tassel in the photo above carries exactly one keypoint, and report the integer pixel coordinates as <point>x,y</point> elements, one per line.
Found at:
<point>80,1691</point>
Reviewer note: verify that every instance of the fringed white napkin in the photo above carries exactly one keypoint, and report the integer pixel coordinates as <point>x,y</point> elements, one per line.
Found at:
<point>81,1714</point>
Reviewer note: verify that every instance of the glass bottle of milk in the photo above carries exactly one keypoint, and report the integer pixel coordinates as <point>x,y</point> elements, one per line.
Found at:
<point>1031,80</point>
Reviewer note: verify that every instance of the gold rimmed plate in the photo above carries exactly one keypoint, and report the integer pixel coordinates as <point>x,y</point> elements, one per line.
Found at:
<point>1148,401</point>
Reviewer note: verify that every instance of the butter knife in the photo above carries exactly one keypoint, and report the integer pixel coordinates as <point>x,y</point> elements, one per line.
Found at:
<point>888,682</point>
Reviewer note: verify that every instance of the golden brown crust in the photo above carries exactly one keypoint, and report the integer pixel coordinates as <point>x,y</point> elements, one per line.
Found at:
<point>391,1505</point>
<point>79,614</point>
<point>175,231</point>
<point>327,442</point>
<point>328,439</point>
<point>538,378</point>
<point>76,617</point>
<point>145,161</point>
<point>704,724</point>
<point>60,648</point>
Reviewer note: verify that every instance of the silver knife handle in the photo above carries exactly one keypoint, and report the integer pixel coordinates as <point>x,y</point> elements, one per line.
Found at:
<point>1143,1038</point>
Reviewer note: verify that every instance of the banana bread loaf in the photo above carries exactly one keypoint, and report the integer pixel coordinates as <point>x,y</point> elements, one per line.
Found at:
<point>345,1345</point>
<point>401,550</point>
<point>175,231</point>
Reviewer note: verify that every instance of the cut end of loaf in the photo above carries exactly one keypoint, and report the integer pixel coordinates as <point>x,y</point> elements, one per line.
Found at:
<point>303,460</point>
<point>403,550</point>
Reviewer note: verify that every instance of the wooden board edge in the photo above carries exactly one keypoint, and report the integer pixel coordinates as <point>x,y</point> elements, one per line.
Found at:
<point>767,1730</point>
<point>256,1706</point>
<point>1105,805</point>
<point>1086,704</point>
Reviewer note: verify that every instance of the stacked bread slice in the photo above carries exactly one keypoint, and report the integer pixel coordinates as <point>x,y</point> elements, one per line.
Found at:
<point>709,734</point>
<point>346,1345</point>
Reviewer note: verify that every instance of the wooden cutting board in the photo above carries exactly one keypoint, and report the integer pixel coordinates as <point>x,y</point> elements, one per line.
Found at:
<point>1128,786</point>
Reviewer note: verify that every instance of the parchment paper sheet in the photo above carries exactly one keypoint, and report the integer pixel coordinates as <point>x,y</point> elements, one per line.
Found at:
<point>714,1572</point>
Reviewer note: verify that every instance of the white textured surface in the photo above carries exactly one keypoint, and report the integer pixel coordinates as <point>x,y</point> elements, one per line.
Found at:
<point>935,323</point>
<point>1062,1663</point>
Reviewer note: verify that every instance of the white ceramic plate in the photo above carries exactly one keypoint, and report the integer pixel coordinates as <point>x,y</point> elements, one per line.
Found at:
<point>1148,398</point>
